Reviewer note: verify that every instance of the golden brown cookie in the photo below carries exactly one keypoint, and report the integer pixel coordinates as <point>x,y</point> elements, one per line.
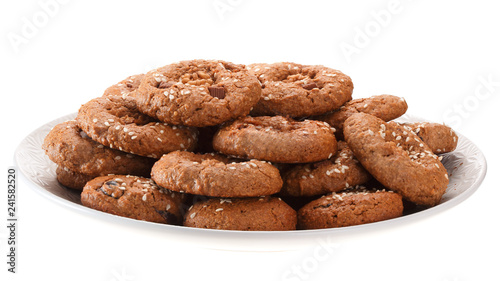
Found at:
<point>198,93</point>
<point>253,214</point>
<point>385,107</point>
<point>355,206</point>
<point>397,158</point>
<point>125,87</point>
<point>133,197</point>
<point>72,179</point>
<point>114,121</point>
<point>439,137</point>
<point>335,174</point>
<point>68,146</point>
<point>296,90</point>
<point>276,139</point>
<point>215,175</point>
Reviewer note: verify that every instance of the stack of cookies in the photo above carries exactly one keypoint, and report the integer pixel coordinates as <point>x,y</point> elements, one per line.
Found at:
<point>283,146</point>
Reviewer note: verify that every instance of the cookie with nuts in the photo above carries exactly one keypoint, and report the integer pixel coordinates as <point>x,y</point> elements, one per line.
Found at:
<point>124,88</point>
<point>397,158</point>
<point>215,175</point>
<point>250,214</point>
<point>296,90</point>
<point>198,93</point>
<point>385,107</point>
<point>355,206</point>
<point>69,146</point>
<point>439,137</point>
<point>133,197</point>
<point>114,121</point>
<point>276,139</point>
<point>339,172</point>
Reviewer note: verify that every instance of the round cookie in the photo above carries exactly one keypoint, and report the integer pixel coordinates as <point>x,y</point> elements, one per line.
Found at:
<point>68,146</point>
<point>72,179</point>
<point>214,175</point>
<point>397,158</point>
<point>198,93</point>
<point>133,197</point>
<point>125,87</point>
<point>440,138</point>
<point>385,107</point>
<point>296,90</point>
<point>354,206</point>
<point>114,121</point>
<point>253,214</point>
<point>335,174</point>
<point>276,139</point>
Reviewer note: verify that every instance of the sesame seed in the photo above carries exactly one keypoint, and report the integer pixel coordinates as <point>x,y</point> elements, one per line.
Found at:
<point>398,137</point>
<point>118,158</point>
<point>144,197</point>
<point>219,210</point>
<point>107,123</point>
<point>192,215</point>
<point>159,139</point>
<point>133,137</point>
<point>94,120</point>
<point>304,177</point>
<point>421,145</point>
<point>446,176</point>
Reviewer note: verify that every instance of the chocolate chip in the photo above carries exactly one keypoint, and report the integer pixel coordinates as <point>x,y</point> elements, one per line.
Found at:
<point>310,86</point>
<point>164,85</point>
<point>217,92</point>
<point>111,183</point>
<point>169,217</point>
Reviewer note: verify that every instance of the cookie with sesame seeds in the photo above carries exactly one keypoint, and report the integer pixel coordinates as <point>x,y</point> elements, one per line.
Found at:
<point>71,179</point>
<point>250,214</point>
<point>133,197</point>
<point>277,139</point>
<point>354,206</point>
<point>385,107</point>
<point>68,146</point>
<point>114,121</point>
<point>331,175</point>
<point>397,158</point>
<point>125,87</point>
<point>439,137</point>
<point>215,175</point>
<point>198,93</point>
<point>296,90</point>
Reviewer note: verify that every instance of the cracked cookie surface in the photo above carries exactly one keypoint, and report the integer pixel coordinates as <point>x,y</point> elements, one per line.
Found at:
<point>296,90</point>
<point>198,93</point>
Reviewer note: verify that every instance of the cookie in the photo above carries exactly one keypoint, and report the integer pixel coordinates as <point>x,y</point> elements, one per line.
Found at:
<point>385,107</point>
<point>68,146</point>
<point>355,206</point>
<point>114,121</point>
<point>198,92</point>
<point>215,175</point>
<point>276,139</point>
<point>335,174</point>
<point>125,87</point>
<point>133,197</point>
<point>71,179</point>
<point>397,158</point>
<point>253,214</point>
<point>440,138</point>
<point>296,90</point>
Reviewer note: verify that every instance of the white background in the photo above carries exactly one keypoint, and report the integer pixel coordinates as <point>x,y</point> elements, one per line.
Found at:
<point>54,57</point>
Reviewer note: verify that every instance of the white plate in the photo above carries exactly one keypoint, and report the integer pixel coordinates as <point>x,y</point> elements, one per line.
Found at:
<point>466,166</point>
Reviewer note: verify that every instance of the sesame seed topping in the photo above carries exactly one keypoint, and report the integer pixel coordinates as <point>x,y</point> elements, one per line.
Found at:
<point>133,137</point>
<point>192,215</point>
<point>94,120</point>
<point>159,139</point>
<point>144,197</point>
<point>219,209</point>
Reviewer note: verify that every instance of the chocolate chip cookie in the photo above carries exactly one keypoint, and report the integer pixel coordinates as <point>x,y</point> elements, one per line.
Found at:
<point>198,92</point>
